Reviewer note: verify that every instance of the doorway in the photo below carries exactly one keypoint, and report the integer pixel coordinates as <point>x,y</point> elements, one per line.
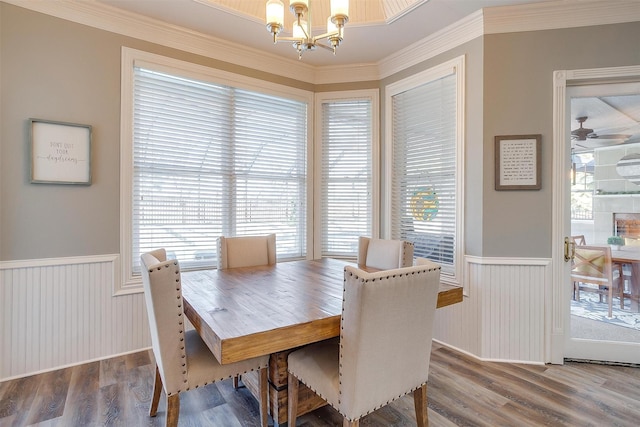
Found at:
<point>602,322</point>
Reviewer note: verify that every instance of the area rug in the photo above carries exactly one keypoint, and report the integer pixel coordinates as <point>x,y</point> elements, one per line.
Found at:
<point>590,307</point>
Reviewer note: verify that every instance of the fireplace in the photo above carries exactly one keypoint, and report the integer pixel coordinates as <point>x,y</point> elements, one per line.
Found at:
<point>626,225</point>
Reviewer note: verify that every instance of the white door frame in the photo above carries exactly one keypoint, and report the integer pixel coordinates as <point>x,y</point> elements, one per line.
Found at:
<point>558,301</point>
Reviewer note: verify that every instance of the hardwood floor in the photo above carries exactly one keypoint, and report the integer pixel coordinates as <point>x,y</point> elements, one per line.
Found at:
<point>462,392</point>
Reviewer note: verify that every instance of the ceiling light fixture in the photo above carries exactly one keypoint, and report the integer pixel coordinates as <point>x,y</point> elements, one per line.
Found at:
<point>302,38</point>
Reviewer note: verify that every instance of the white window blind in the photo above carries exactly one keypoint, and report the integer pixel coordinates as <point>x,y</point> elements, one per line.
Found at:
<point>213,160</point>
<point>346,175</point>
<point>423,199</point>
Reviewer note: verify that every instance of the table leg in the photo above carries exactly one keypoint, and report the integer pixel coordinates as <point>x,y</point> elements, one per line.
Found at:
<point>634,285</point>
<point>278,382</point>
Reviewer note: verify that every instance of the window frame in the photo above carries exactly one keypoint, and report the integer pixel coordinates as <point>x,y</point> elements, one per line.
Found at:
<point>129,282</point>
<point>455,66</point>
<point>373,95</point>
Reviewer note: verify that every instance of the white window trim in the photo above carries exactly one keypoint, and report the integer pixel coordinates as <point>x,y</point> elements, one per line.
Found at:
<point>434,73</point>
<point>130,57</point>
<point>374,96</point>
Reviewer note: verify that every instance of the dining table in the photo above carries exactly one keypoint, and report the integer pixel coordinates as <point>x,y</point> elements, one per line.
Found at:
<point>630,255</point>
<point>272,310</point>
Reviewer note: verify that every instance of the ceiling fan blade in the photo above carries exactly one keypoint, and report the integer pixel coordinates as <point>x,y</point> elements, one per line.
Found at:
<point>609,136</point>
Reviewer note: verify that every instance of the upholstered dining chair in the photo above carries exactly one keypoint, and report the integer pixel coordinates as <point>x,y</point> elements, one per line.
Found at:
<point>246,251</point>
<point>183,360</point>
<point>592,266</point>
<point>384,254</point>
<point>624,270</point>
<point>384,347</point>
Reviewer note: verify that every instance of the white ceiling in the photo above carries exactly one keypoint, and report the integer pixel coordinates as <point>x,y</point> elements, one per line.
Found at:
<point>376,28</point>
<point>614,119</point>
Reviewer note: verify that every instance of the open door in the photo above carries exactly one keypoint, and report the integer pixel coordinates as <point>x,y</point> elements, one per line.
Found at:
<point>595,183</point>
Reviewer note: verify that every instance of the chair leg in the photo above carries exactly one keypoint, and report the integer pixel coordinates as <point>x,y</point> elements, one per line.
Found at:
<point>157,390</point>
<point>620,269</point>
<point>347,423</point>
<point>263,385</point>
<point>173,410</point>
<point>420,402</point>
<point>292,400</point>
<point>236,381</point>
<point>610,298</point>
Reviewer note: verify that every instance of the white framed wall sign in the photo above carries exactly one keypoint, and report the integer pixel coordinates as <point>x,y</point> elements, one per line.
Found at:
<point>60,152</point>
<point>517,162</point>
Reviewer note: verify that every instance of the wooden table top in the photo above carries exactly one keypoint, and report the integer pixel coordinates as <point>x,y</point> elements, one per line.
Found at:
<point>252,311</point>
<point>626,254</point>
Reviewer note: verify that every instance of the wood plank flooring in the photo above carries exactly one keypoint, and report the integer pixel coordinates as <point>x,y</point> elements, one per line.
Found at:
<point>462,392</point>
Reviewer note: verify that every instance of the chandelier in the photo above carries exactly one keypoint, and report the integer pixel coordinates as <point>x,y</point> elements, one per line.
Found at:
<point>302,38</point>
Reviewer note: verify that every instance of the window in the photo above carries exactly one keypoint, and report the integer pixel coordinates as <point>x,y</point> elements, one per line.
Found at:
<point>347,141</point>
<point>582,185</point>
<point>425,155</point>
<point>211,157</point>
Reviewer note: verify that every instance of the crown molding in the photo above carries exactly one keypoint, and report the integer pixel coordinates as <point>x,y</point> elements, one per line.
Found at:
<point>559,14</point>
<point>108,18</point>
<point>503,19</point>
<point>448,38</point>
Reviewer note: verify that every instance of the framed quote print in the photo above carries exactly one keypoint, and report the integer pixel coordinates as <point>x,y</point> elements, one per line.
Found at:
<point>518,163</point>
<point>60,152</point>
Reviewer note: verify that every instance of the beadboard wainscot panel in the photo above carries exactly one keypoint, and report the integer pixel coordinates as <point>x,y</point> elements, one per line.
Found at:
<point>60,312</point>
<point>502,316</point>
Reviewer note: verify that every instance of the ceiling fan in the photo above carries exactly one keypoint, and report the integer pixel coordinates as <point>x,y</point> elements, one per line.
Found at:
<point>582,133</point>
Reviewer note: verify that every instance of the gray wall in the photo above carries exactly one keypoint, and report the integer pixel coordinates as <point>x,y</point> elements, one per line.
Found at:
<point>56,70</point>
<point>53,69</point>
<point>518,89</point>
<point>50,70</point>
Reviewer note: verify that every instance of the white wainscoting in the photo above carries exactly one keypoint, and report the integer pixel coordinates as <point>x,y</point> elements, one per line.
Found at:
<point>503,316</point>
<point>61,312</point>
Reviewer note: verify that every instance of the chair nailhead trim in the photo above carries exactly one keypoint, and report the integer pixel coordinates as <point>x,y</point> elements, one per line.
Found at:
<point>363,280</point>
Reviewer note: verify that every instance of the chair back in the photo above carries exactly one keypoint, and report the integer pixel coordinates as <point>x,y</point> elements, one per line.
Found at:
<point>592,264</point>
<point>386,332</point>
<point>246,251</point>
<point>384,254</point>
<point>163,297</point>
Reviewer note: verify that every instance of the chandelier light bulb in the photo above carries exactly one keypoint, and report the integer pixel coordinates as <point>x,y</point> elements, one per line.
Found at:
<point>275,17</point>
<point>275,12</point>
<point>340,8</point>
